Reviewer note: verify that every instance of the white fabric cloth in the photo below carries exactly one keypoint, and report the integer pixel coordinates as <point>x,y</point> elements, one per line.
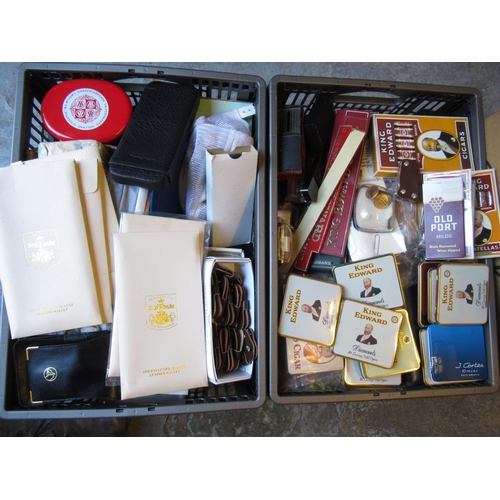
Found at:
<point>226,131</point>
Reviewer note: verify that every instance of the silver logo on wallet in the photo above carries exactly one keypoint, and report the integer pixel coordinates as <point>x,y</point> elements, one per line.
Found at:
<point>50,374</point>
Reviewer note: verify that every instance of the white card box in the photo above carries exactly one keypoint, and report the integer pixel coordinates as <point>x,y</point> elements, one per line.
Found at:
<point>230,195</point>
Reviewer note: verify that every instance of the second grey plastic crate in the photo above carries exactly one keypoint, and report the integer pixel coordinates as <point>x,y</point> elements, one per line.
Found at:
<point>378,97</point>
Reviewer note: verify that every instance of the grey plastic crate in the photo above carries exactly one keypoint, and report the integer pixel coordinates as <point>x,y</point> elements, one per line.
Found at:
<point>34,81</point>
<point>378,97</point>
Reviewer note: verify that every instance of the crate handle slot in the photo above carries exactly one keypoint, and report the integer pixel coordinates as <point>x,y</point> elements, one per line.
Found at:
<point>370,97</point>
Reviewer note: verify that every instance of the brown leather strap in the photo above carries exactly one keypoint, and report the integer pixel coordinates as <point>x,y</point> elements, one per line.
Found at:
<point>229,317</point>
<point>221,269</point>
<point>217,348</point>
<point>217,304</point>
<point>249,351</point>
<point>233,340</point>
<point>243,320</point>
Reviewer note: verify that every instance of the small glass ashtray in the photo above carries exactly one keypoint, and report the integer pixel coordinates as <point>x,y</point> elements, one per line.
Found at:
<point>374,209</point>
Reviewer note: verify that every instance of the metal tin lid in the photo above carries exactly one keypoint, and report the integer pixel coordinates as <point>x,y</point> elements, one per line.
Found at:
<point>407,356</point>
<point>86,109</point>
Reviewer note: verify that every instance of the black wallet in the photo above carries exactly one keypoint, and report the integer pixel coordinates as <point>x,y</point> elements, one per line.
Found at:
<point>55,368</point>
<point>154,143</point>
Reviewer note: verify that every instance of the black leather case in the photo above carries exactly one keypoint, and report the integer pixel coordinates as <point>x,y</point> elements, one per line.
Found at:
<point>291,142</point>
<point>153,145</point>
<point>54,368</point>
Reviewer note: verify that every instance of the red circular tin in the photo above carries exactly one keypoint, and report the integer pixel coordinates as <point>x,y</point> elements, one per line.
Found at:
<point>86,109</point>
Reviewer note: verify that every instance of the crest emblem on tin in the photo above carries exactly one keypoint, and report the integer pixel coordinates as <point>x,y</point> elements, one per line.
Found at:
<point>85,108</point>
<point>161,311</point>
<point>41,248</point>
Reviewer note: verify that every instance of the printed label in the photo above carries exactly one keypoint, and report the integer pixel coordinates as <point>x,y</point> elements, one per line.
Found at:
<point>161,311</point>
<point>85,109</point>
<point>41,249</point>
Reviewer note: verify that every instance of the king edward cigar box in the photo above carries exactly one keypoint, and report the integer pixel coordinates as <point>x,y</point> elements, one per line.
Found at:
<point>423,309</point>
<point>432,294</point>
<point>407,357</point>
<point>462,294</point>
<point>310,310</point>
<point>374,281</point>
<point>353,375</point>
<point>435,143</point>
<point>486,215</point>
<point>367,333</point>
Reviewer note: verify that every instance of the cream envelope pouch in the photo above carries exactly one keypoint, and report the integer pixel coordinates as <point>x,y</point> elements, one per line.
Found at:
<point>134,223</point>
<point>45,265</point>
<point>140,223</point>
<point>100,217</point>
<point>159,316</point>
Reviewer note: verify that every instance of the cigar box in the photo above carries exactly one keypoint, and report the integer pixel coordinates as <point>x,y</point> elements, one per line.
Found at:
<point>453,354</point>
<point>367,333</point>
<point>373,281</point>
<point>435,143</point>
<point>310,310</point>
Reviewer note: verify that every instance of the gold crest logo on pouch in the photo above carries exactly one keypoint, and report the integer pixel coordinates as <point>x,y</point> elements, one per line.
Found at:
<point>41,248</point>
<point>161,311</point>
